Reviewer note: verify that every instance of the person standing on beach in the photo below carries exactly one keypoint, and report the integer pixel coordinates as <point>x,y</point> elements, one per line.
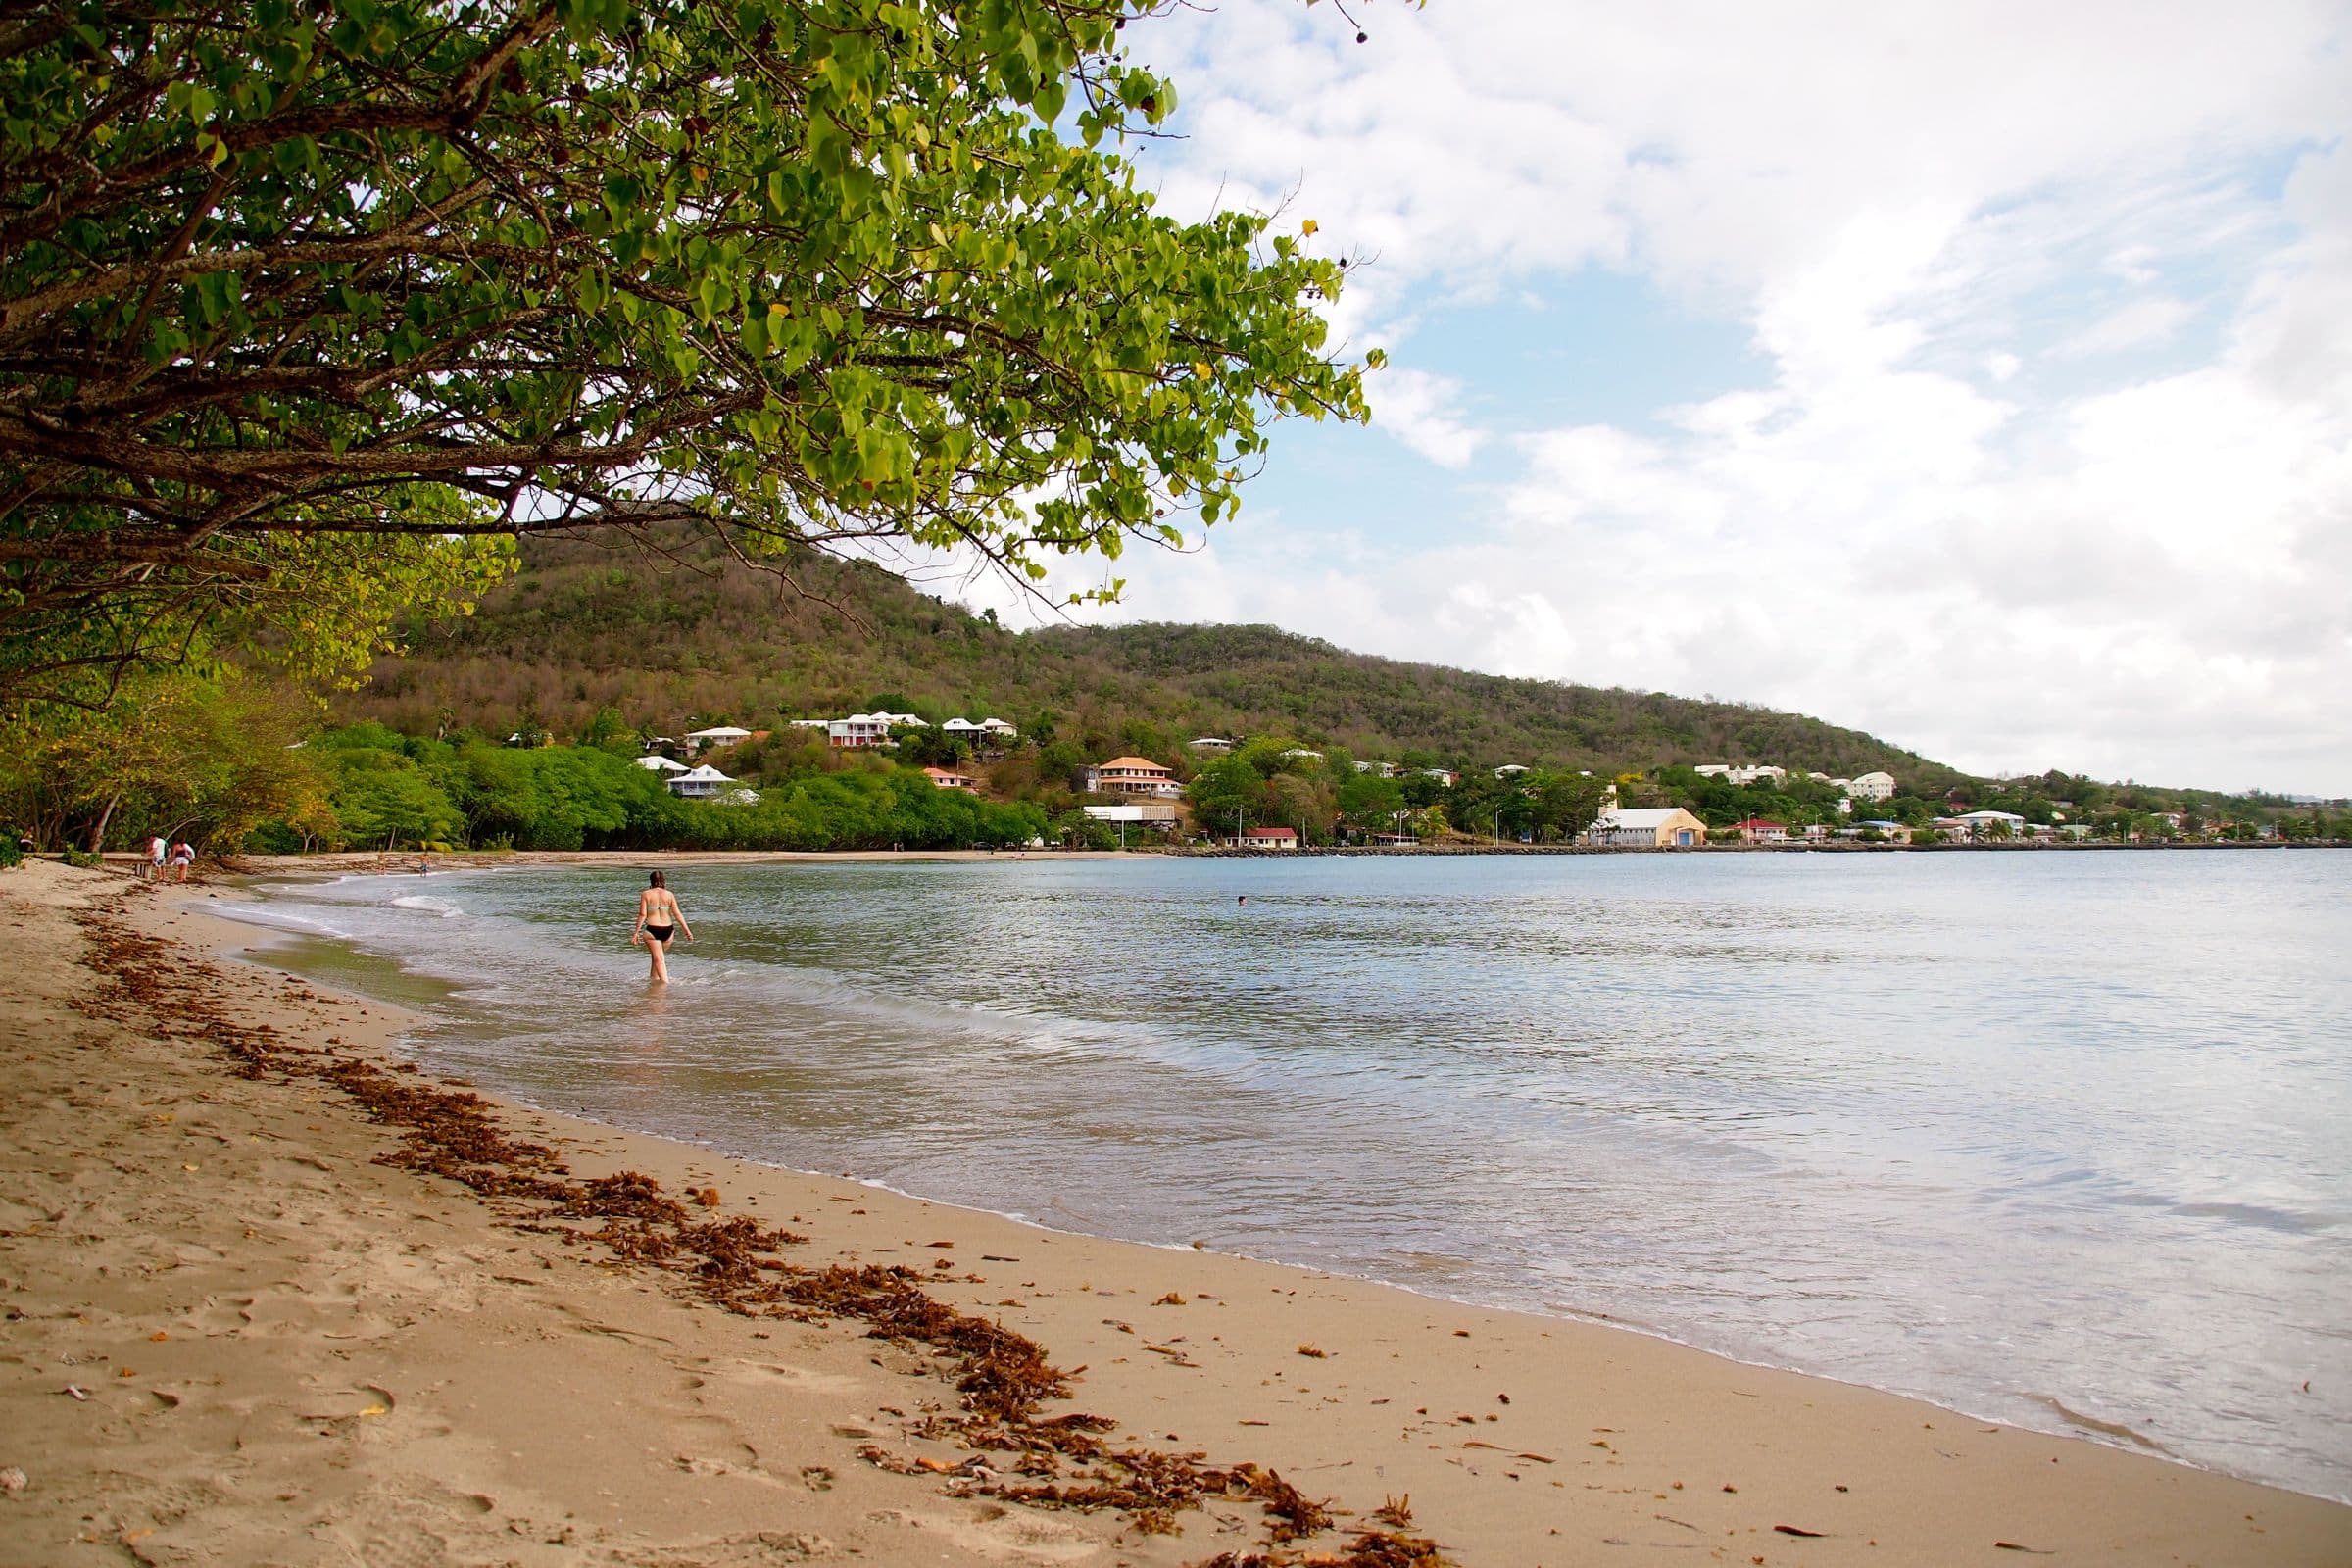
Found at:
<point>153,869</point>
<point>658,919</point>
<point>183,856</point>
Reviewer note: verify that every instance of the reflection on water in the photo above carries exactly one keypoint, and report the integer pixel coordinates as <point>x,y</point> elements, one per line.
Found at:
<point>2001,1130</point>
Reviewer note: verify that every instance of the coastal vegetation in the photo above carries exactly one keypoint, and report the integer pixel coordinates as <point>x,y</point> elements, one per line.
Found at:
<point>375,788</point>
<point>308,313</point>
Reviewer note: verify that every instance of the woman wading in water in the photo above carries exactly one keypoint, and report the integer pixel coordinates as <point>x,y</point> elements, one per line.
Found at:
<point>658,919</point>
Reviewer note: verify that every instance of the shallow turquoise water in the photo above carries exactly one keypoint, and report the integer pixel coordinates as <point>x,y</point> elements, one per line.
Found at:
<point>1994,1129</point>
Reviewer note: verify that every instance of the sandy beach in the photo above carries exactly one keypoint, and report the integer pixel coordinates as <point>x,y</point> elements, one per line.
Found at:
<point>271,1299</point>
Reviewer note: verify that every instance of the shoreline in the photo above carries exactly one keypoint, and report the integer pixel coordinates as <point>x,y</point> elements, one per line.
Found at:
<point>1608,1435</point>
<point>403,862</point>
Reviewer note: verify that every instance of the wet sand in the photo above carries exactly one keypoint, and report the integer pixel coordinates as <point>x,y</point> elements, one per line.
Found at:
<point>287,1350</point>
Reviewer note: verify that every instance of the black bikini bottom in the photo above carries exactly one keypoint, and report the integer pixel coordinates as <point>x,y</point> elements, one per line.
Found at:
<point>659,933</point>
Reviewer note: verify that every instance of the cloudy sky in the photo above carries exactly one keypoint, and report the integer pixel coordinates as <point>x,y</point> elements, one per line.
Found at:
<point>1979,376</point>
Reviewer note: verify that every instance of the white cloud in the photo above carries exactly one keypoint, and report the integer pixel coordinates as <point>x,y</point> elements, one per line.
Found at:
<point>2139,325</point>
<point>1421,411</point>
<point>1956,509</point>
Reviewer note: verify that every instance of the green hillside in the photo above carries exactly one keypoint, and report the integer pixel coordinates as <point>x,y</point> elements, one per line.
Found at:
<point>691,640</point>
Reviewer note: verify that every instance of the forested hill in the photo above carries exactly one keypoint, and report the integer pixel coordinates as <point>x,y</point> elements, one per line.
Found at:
<point>673,645</point>
<point>1377,707</point>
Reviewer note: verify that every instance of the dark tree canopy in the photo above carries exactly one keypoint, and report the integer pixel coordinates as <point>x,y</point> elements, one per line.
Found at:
<point>307,310</point>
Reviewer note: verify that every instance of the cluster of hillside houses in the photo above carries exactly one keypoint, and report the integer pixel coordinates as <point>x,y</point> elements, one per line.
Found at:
<point>855,732</point>
<point>1148,792</point>
<point>1149,789</point>
<point>860,730</point>
<point>1862,787</point>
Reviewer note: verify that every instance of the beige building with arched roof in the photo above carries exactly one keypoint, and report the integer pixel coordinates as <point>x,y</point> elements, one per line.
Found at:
<point>1668,827</point>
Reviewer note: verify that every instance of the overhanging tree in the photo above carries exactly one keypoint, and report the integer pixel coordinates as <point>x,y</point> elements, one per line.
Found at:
<point>307,310</point>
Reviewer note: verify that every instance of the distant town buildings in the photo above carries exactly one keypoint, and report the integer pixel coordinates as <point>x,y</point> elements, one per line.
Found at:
<point>1650,828</point>
<point>1872,786</point>
<point>859,730</point>
<point>987,733</point>
<point>1970,825</point>
<point>1147,792</point>
<point>707,783</point>
<point>1159,815</point>
<point>1130,775</point>
<point>1742,776</point>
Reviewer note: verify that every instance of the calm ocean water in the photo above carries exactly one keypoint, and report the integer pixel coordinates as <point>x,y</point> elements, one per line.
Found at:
<point>1999,1130</point>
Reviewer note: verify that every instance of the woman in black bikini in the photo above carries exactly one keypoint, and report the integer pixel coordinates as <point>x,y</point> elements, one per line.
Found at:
<point>658,919</point>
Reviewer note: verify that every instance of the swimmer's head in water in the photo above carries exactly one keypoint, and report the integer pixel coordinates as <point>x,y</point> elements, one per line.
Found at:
<point>655,879</point>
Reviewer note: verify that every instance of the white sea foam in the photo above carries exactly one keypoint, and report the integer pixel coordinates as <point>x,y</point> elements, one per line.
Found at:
<point>428,903</point>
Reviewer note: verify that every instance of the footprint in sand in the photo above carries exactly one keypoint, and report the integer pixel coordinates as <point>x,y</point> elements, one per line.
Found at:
<point>769,1374</point>
<point>992,1531</point>
<point>342,1408</point>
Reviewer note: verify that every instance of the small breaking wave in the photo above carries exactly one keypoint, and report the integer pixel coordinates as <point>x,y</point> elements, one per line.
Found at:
<point>428,903</point>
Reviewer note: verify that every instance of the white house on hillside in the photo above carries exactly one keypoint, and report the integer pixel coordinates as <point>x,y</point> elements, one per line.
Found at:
<point>717,735</point>
<point>858,730</point>
<point>1130,775</point>
<point>1742,775</point>
<point>1873,786</point>
<point>699,784</point>
<point>661,765</point>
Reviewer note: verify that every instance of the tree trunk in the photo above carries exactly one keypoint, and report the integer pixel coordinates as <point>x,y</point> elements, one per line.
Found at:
<point>98,833</point>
